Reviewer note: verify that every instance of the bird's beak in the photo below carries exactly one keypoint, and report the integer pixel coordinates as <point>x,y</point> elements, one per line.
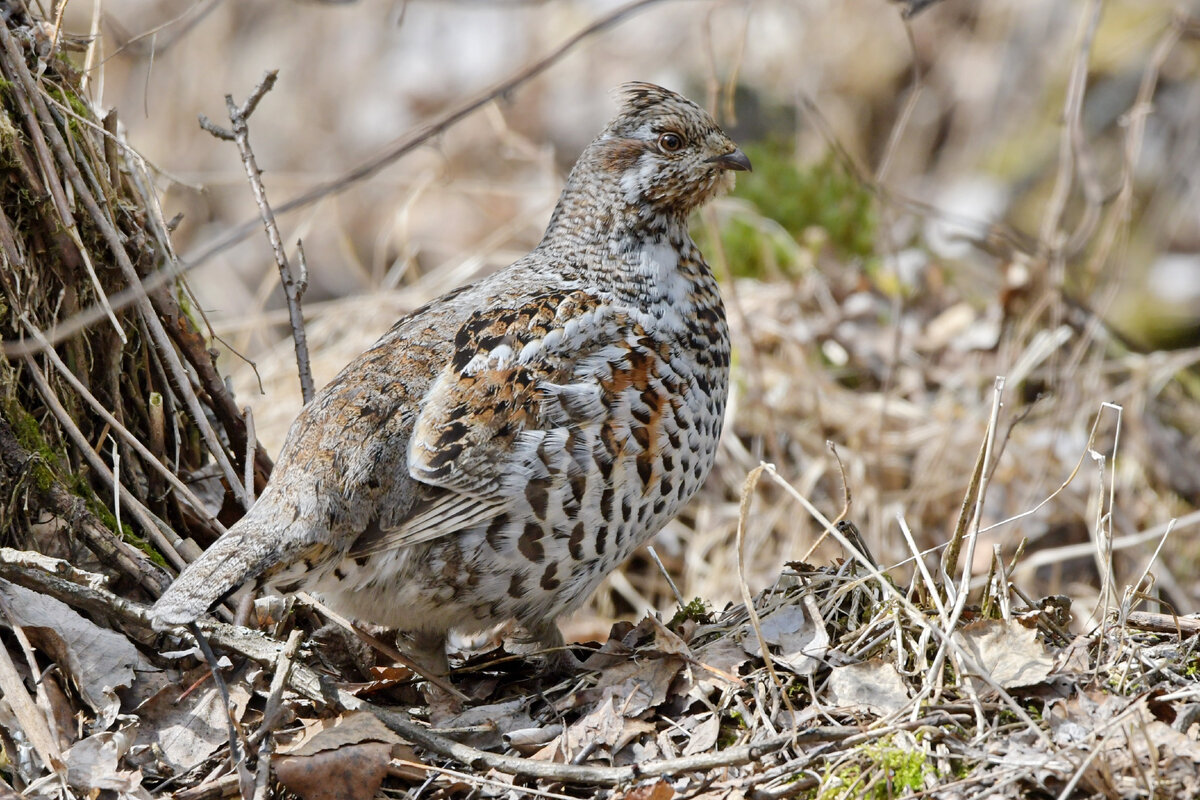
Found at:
<point>736,161</point>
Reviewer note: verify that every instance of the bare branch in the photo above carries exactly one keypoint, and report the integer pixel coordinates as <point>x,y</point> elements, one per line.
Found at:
<point>293,289</point>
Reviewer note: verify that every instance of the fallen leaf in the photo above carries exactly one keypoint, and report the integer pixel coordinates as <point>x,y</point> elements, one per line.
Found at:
<point>351,728</point>
<point>641,686</point>
<point>345,757</point>
<point>704,736</point>
<point>667,641</point>
<point>348,772</point>
<point>872,686</point>
<point>722,657</point>
<point>96,659</point>
<point>92,765</point>
<point>605,726</point>
<point>182,728</point>
<point>659,790</point>
<point>1009,652</point>
<point>799,633</point>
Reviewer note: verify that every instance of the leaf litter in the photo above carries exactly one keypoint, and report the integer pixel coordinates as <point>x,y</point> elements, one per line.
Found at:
<point>855,684</point>
<point>852,710</point>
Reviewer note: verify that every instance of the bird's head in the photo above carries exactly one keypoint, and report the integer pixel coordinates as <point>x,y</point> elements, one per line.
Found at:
<point>662,153</point>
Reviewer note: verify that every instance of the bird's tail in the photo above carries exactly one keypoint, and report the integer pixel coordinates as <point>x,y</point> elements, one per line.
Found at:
<point>245,551</point>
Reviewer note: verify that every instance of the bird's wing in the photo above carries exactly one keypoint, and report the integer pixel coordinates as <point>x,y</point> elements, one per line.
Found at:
<point>551,389</point>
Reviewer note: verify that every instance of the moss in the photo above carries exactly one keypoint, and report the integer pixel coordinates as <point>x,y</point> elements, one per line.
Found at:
<point>732,727</point>
<point>79,486</point>
<point>79,109</point>
<point>884,770</point>
<point>187,308</point>
<point>809,207</point>
<point>903,769</point>
<point>842,784</point>
<point>47,466</point>
<point>126,533</point>
<point>45,461</point>
<point>698,610</point>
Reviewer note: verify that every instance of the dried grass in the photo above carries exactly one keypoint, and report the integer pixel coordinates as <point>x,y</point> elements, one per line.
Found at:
<point>1087,487</point>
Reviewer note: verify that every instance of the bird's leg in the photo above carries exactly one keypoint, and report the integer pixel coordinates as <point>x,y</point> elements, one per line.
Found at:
<point>428,649</point>
<point>546,636</point>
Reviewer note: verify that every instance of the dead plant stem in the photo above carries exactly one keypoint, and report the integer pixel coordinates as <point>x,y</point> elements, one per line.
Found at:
<point>133,441</point>
<point>153,528</point>
<point>293,288</point>
<point>113,238</point>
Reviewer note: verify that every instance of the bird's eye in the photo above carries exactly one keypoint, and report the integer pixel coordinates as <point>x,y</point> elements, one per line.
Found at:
<point>670,142</point>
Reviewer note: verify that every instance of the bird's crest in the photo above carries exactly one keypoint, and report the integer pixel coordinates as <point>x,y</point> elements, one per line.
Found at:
<point>638,96</point>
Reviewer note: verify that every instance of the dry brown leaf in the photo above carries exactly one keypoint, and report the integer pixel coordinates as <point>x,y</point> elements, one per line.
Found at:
<point>406,765</point>
<point>720,793</point>
<point>799,633</point>
<point>725,656</point>
<point>92,765</point>
<point>18,712</point>
<point>872,687</point>
<point>96,659</point>
<point>346,757</point>
<point>667,641</point>
<point>604,726</point>
<point>659,790</point>
<point>383,679</point>
<point>183,728</point>
<point>642,686</point>
<point>704,736</point>
<point>349,772</point>
<point>351,728</point>
<point>1010,652</point>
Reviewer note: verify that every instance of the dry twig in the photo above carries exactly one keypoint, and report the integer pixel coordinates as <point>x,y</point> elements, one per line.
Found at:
<point>293,286</point>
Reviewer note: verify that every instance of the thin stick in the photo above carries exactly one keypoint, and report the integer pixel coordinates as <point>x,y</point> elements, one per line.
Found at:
<point>846,501</point>
<point>245,779</point>
<point>743,512</point>
<point>1103,522</point>
<point>662,568</point>
<point>251,444</point>
<point>273,712</point>
<point>1076,88</point>
<point>293,289</point>
<point>930,585</point>
<point>115,425</point>
<point>144,517</point>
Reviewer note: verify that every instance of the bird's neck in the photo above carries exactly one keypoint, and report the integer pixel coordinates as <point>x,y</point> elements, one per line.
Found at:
<point>598,211</point>
<point>644,261</point>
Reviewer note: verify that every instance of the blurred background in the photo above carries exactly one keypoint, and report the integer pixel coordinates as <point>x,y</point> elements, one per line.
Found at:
<point>1009,188</point>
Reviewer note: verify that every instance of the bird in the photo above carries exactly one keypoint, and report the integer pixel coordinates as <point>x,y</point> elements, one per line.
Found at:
<point>503,448</point>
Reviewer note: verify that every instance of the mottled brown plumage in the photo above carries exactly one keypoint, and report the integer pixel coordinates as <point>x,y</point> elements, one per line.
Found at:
<point>503,448</point>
